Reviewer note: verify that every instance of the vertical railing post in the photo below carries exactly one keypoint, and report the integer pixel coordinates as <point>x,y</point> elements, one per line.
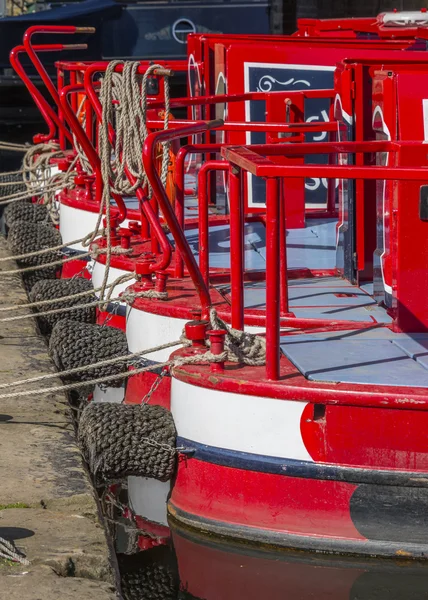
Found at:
<point>204,246</point>
<point>179,204</point>
<point>236,246</point>
<point>60,84</point>
<point>283,278</point>
<point>73,81</point>
<point>273,225</point>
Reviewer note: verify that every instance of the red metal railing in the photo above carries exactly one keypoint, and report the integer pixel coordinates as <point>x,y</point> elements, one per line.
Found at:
<point>52,119</point>
<point>246,159</point>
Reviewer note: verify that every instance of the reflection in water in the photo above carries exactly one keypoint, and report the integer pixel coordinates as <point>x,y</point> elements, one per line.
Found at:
<point>196,567</point>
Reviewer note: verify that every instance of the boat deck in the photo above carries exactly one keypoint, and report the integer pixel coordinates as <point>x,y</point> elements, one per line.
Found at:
<point>375,356</point>
<point>321,298</point>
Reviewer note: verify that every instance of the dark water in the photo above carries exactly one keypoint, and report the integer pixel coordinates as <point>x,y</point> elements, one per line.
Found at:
<point>191,566</point>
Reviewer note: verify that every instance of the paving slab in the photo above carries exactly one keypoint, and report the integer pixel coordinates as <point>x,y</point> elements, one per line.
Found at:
<point>47,504</point>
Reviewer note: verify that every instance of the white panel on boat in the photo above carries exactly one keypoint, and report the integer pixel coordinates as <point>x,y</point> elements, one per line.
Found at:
<point>109,394</point>
<point>254,424</point>
<point>354,359</point>
<point>148,498</point>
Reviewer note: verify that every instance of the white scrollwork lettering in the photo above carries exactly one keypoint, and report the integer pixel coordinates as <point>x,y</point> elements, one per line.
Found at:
<point>267,81</point>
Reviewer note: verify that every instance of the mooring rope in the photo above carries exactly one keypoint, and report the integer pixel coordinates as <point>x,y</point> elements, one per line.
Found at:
<point>93,252</point>
<point>207,357</point>
<point>14,146</point>
<point>241,347</point>
<point>9,552</point>
<point>102,363</point>
<point>128,297</point>
<point>54,263</point>
<point>54,300</point>
<point>83,240</point>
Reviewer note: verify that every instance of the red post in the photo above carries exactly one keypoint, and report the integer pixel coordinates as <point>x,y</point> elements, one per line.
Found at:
<point>179,174</point>
<point>195,332</point>
<point>236,247</point>
<point>60,84</point>
<point>283,277</point>
<point>273,224</point>
<point>73,81</point>
<point>217,337</point>
<point>203,197</point>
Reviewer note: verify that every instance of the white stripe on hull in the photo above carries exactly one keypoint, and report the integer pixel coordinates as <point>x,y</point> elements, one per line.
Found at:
<point>98,270</point>
<point>146,330</point>
<point>75,223</point>
<point>239,422</point>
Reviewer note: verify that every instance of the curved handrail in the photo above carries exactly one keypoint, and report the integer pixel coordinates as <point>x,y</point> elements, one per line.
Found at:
<point>30,49</point>
<point>149,156</point>
<point>146,207</point>
<point>48,114</point>
<point>88,148</point>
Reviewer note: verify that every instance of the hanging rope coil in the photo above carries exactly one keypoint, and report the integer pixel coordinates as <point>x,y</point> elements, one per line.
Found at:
<point>36,164</point>
<point>73,344</point>
<point>58,289</point>
<point>10,552</point>
<point>127,116</point>
<point>119,440</point>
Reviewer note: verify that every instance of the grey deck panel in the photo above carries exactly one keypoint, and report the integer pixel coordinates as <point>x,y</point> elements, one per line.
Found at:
<point>364,314</point>
<point>308,296</point>
<point>374,357</point>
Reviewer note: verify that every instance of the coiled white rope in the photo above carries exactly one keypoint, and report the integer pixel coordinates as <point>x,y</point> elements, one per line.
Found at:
<point>129,119</point>
<point>9,552</point>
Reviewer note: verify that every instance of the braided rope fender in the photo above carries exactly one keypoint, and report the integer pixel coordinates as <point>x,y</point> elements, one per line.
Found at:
<point>26,237</point>
<point>152,576</point>
<point>50,289</point>
<point>16,186</point>
<point>119,440</point>
<point>26,211</point>
<point>73,344</point>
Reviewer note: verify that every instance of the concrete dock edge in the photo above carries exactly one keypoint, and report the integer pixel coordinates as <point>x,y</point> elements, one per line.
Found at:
<point>47,504</point>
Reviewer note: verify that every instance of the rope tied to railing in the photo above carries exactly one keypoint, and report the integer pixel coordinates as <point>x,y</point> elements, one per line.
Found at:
<point>240,346</point>
<point>13,147</point>
<point>124,107</point>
